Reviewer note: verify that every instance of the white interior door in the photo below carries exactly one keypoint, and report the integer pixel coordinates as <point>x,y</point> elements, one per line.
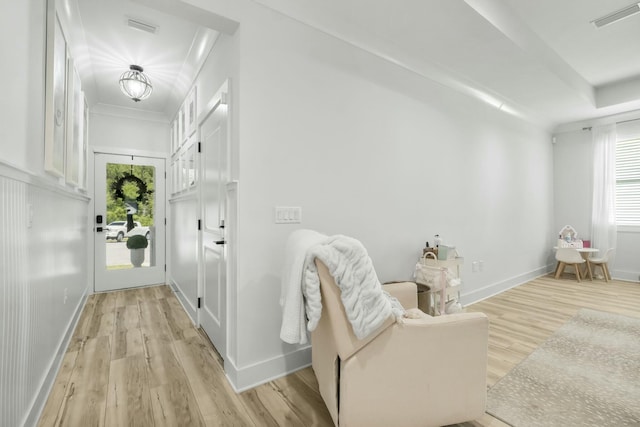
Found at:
<point>129,191</point>
<point>214,178</point>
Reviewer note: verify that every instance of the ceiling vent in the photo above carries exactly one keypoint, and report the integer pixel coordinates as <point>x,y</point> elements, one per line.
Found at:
<point>142,26</point>
<point>616,16</point>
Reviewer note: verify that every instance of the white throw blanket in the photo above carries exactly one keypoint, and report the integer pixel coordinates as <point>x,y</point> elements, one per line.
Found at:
<point>293,329</point>
<point>366,304</point>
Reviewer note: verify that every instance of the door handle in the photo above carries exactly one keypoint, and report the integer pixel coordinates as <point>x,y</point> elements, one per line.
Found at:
<point>220,242</point>
<point>98,229</point>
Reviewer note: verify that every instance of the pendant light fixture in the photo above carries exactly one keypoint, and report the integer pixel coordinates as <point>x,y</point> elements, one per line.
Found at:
<point>135,84</point>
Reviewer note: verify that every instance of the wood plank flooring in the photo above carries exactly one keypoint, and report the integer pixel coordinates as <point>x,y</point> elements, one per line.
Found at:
<point>135,359</point>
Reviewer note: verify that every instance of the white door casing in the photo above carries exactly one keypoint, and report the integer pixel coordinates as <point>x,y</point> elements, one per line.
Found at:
<point>213,131</point>
<point>107,255</point>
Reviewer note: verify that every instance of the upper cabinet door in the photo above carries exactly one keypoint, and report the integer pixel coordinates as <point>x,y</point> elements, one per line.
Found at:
<point>185,123</point>
<point>174,136</point>
<point>191,112</point>
<point>182,125</point>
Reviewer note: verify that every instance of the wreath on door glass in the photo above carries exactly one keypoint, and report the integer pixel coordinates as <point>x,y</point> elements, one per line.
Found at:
<point>143,193</point>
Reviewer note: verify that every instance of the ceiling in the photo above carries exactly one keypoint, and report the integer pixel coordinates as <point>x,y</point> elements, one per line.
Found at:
<point>104,46</point>
<point>543,60</point>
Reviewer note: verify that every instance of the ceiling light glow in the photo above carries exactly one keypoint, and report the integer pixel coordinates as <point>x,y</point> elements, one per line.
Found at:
<point>135,84</point>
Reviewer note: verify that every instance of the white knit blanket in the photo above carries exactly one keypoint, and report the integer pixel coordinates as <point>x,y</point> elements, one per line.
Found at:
<point>293,329</point>
<point>366,304</point>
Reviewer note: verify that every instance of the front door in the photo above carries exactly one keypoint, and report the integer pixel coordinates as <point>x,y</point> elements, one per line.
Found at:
<point>129,221</point>
<point>213,133</point>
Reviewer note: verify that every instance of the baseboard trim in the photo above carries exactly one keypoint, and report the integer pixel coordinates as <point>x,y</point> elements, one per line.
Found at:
<point>40,399</point>
<point>186,304</point>
<point>488,291</point>
<point>626,276</point>
<point>248,377</point>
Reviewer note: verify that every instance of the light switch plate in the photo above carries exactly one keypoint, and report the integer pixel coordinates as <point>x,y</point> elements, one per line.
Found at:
<point>288,214</point>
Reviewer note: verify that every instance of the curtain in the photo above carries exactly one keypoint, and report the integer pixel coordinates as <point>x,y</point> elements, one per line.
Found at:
<point>603,214</point>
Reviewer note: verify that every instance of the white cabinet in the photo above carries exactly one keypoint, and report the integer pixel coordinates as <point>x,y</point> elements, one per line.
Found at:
<point>189,108</point>
<point>184,145</point>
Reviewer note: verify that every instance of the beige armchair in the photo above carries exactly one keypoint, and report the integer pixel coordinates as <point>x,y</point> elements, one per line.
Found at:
<point>429,371</point>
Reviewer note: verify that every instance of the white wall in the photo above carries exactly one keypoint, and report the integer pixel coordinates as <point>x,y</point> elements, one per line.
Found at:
<point>371,150</point>
<point>43,283</point>
<point>21,104</point>
<point>43,245</point>
<point>573,183</point>
<point>123,130</point>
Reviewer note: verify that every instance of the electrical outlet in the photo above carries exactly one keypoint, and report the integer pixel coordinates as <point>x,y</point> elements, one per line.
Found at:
<point>64,300</point>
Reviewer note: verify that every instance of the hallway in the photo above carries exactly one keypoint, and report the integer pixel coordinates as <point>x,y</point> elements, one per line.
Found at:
<point>135,359</point>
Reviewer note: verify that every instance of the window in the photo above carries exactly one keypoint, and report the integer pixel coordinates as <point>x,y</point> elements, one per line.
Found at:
<point>628,182</point>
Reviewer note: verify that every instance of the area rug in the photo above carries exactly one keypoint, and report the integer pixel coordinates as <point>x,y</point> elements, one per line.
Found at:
<point>586,374</point>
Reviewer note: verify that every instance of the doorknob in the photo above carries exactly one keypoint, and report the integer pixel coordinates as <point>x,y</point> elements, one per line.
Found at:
<point>220,242</point>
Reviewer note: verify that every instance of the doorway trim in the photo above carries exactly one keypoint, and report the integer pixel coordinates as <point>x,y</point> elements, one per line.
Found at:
<point>224,232</point>
<point>93,150</point>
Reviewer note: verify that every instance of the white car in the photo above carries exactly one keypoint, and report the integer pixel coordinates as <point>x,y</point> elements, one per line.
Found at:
<point>118,230</point>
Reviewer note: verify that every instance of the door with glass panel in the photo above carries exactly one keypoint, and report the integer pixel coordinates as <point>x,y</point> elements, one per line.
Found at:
<point>129,221</point>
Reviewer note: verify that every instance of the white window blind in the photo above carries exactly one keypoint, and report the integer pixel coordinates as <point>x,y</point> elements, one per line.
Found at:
<point>628,182</point>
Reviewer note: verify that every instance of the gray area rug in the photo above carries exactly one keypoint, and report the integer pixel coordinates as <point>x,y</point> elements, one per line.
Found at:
<point>586,374</point>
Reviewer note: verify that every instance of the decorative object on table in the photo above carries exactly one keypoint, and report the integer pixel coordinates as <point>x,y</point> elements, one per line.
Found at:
<point>568,238</point>
<point>137,244</point>
<point>446,252</point>
<point>430,249</point>
<point>453,306</point>
<point>586,374</point>
<point>441,280</point>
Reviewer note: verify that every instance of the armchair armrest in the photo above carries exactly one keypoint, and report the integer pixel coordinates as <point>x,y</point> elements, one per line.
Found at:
<point>426,371</point>
<point>405,292</point>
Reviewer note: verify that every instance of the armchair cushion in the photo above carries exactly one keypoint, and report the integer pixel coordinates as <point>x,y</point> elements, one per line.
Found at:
<point>405,292</point>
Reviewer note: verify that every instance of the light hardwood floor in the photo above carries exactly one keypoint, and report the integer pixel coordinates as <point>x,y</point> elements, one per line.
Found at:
<point>135,359</point>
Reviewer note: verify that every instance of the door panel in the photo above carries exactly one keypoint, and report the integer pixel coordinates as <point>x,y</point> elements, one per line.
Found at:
<point>129,205</point>
<point>212,291</point>
<point>184,251</point>
<point>213,134</point>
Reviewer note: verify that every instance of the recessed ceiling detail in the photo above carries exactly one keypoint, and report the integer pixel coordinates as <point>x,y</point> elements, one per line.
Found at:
<point>142,26</point>
<point>617,15</point>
